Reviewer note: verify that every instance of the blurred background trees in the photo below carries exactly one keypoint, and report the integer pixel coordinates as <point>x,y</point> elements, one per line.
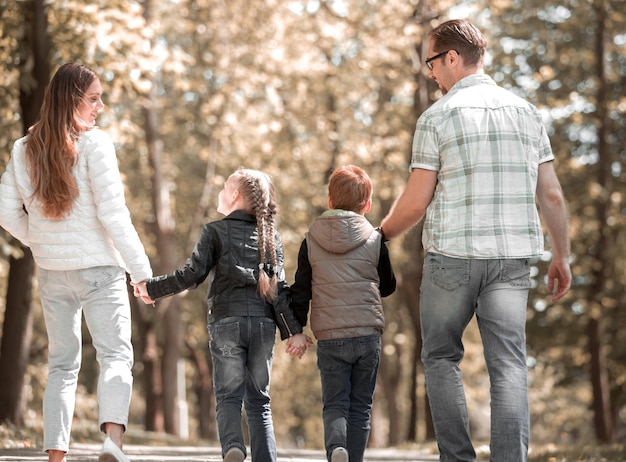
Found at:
<point>196,88</point>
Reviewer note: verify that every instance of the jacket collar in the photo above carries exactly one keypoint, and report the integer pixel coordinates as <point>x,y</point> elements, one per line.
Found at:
<point>240,215</point>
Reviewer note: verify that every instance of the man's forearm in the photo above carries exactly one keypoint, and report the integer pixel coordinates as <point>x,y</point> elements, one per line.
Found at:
<point>399,219</point>
<point>410,207</point>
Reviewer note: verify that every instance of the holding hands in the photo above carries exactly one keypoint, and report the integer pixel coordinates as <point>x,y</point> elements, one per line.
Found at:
<point>298,344</point>
<point>141,291</point>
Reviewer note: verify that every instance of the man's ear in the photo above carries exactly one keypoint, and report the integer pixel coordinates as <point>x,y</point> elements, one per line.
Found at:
<point>455,58</point>
<point>330,204</point>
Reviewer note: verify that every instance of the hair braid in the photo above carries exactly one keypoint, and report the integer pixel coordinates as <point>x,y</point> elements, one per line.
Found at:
<point>258,206</point>
<point>259,192</point>
<point>271,231</point>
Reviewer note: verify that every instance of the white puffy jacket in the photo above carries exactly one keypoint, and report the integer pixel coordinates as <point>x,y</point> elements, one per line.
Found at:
<point>97,232</point>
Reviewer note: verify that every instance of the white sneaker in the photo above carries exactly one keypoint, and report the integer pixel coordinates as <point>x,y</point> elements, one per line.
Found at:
<point>339,454</point>
<point>111,452</point>
<point>235,455</point>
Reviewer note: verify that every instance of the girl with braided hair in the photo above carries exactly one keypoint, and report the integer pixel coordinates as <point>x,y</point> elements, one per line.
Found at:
<point>242,256</point>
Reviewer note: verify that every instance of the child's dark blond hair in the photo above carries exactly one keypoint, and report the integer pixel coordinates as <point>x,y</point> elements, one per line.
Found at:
<point>349,188</point>
<point>257,190</point>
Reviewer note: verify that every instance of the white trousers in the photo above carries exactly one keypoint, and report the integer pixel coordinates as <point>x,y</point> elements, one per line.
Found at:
<point>101,294</point>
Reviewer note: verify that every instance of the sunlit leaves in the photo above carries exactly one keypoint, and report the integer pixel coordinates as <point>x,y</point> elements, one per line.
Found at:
<point>297,88</point>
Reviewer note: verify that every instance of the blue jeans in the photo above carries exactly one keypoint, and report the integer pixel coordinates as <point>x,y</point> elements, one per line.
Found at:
<point>348,368</point>
<point>101,295</point>
<point>496,291</point>
<point>242,349</point>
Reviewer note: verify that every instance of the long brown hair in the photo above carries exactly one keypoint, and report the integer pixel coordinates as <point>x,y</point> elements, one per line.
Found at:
<point>51,144</point>
<point>257,190</point>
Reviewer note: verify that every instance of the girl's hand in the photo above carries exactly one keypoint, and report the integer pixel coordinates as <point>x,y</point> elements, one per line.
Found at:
<point>298,344</point>
<point>140,290</point>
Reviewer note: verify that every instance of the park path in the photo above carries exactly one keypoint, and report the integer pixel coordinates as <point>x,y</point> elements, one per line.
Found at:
<point>145,453</point>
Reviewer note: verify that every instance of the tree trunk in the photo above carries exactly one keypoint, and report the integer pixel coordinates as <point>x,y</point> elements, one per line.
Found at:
<point>172,407</point>
<point>165,245</point>
<point>16,337</point>
<point>413,275</point>
<point>164,230</point>
<point>37,44</point>
<point>603,270</point>
<point>203,387</point>
<point>410,292</point>
<point>600,383</point>
<point>148,350</point>
<point>389,378</point>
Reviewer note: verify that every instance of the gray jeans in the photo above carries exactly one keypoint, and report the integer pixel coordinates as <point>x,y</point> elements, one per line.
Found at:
<point>453,291</point>
<point>101,294</point>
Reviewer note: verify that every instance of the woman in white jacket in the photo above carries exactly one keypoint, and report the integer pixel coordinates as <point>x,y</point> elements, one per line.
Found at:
<point>62,196</point>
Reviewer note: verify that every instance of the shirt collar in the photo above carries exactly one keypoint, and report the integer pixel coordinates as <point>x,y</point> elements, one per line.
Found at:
<point>472,80</point>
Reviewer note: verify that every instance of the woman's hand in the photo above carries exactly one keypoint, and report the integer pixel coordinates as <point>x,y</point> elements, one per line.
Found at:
<point>140,290</point>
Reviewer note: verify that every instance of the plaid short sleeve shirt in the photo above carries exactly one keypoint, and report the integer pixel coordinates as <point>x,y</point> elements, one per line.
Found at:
<point>486,145</point>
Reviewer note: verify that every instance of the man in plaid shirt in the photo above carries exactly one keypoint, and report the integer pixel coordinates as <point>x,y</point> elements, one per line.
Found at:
<point>481,156</point>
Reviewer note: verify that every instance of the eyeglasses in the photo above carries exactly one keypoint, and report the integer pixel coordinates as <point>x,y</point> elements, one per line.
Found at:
<point>429,61</point>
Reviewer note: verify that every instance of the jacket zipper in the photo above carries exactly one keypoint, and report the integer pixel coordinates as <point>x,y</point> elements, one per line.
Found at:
<point>286,325</point>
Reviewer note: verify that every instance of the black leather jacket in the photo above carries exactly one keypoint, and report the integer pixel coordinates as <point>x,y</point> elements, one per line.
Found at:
<point>227,252</point>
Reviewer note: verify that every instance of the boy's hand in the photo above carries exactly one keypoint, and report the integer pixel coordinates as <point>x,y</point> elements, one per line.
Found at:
<point>298,344</point>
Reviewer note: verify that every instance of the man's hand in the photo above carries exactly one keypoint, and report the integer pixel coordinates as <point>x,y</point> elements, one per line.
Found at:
<point>559,278</point>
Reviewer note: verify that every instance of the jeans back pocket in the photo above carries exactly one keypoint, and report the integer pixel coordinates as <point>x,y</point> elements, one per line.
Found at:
<point>448,273</point>
<point>515,272</point>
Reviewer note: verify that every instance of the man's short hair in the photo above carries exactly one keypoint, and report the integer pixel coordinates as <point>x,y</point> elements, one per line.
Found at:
<point>463,37</point>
